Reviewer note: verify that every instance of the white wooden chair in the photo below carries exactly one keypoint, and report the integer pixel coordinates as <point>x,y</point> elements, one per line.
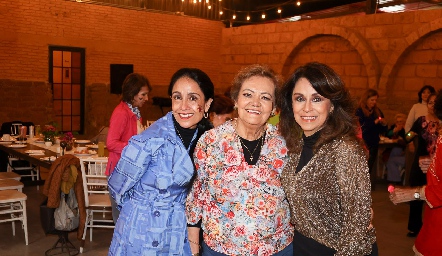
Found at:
<point>96,195</point>
<point>33,171</point>
<point>9,175</point>
<point>11,184</point>
<point>13,206</point>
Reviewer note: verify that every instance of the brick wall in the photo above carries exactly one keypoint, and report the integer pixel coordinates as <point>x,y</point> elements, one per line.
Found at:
<point>394,53</point>
<point>156,44</point>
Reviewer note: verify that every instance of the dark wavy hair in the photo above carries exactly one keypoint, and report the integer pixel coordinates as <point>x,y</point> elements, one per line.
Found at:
<point>341,122</point>
<point>363,103</point>
<point>425,87</point>
<point>132,85</point>
<point>205,84</point>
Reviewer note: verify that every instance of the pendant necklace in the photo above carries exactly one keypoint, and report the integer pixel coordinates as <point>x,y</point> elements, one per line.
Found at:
<point>256,147</point>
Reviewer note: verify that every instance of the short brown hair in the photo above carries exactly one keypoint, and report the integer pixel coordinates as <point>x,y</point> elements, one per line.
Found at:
<point>132,85</point>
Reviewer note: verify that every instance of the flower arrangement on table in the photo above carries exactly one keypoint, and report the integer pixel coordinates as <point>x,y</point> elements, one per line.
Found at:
<point>49,133</point>
<point>67,137</point>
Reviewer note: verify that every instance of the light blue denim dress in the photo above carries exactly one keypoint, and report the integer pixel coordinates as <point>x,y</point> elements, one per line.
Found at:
<point>150,184</point>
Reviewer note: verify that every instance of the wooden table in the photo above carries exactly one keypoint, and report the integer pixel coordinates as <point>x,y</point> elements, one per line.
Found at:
<point>35,160</point>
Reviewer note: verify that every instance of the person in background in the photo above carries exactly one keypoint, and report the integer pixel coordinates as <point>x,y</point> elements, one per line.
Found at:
<point>151,180</point>
<point>428,241</point>
<point>126,121</point>
<point>419,109</point>
<point>396,155</point>
<point>426,128</point>
<point>221,110</point>
<point>326,178</point>
<point>237,194</point>
<point>373,124</point>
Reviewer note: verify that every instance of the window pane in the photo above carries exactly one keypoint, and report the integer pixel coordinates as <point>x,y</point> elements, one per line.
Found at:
<point>67,107</point>
<point>66,59</point>
<point>57,91</point>
<point>76,75</point>
<point>76,123</point>
<point>56,58</point>
<point>57,120</point>
<point>76,59</point>
<point>67,123</point>
<point>76,91</point>
<point>67,91</point>
<point>67,75</point>
<point>76,110</point>
<point>56,75</point>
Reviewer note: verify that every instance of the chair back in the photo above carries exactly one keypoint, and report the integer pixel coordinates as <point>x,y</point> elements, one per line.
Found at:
<point>94,177</point>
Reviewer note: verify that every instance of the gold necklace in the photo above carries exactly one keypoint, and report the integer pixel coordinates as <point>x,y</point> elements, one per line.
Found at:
<point>257,145</point>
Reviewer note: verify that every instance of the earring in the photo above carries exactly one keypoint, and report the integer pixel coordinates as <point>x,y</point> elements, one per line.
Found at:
<point>272,113</point>
<point>206,115</point>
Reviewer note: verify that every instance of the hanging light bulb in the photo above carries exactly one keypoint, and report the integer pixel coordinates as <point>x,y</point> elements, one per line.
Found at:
<point>220,12</point>
<point>298,3</point>
<point>279,10</point>
<point>199,1</point>
<point>210,7</point>
<point>182,0</point>
<point>207,1</point>
<point>263,16</point>
<point>194,1</point>
<point>234,16</point>
<point>248,17</point>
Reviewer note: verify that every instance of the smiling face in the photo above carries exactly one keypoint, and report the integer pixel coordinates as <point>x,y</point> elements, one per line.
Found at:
<point>371,102</point>
<point>188,104</point>
<point>310,109</point>
<point>255,101</point>
<point>141,98</point>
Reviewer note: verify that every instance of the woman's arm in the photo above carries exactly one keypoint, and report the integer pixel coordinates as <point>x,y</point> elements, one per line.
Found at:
<point>129,170</point>
<point>354,184</point>
<point>118,126</point>
<point>196,197</point>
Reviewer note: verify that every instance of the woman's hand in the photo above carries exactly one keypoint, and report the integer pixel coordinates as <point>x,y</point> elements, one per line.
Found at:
<point>402,194</point>
<point>424,163</point>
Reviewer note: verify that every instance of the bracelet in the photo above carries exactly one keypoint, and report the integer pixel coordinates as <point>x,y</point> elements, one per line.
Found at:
<point>196,254</point>
<point>199,246</point>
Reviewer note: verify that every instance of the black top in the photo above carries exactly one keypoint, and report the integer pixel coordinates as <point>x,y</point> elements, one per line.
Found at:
<point>252,149</point>
<point>184,134</point>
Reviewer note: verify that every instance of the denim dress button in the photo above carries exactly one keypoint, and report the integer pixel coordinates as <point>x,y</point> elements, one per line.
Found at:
<point>156,213</point>
<point>155,243</point>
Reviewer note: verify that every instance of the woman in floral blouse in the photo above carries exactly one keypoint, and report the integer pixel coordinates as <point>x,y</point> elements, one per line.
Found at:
<point>237,194</point>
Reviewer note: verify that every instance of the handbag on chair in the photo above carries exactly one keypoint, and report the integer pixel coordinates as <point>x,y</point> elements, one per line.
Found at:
<point>67,215</point>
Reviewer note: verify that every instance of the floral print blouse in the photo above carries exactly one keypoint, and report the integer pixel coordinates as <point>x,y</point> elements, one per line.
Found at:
<point>242,207</point>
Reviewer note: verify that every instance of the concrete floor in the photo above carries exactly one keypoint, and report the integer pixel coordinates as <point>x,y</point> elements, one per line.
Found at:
<point>390,222</point>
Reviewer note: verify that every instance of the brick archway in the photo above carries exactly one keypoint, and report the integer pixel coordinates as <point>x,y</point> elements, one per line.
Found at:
<point>355,39</point>
<point>409,41</point>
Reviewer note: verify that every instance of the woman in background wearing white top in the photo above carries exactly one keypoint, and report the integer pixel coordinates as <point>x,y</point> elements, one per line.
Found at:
<point>419,109</point>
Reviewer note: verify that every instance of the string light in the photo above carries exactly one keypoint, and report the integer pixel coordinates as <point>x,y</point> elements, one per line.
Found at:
<point>194,1</point>
<point>210,7</point>
<point>279,10</point>
<point>234,16</point>
<point>263,16</point>
<point>248,17</point>
<point>199,1</point>
<point>220,12</point>
<point>298,3</point>
<point>207,1</point>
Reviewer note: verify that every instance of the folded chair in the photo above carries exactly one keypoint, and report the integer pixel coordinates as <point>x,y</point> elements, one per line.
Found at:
<point>96,196</point>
